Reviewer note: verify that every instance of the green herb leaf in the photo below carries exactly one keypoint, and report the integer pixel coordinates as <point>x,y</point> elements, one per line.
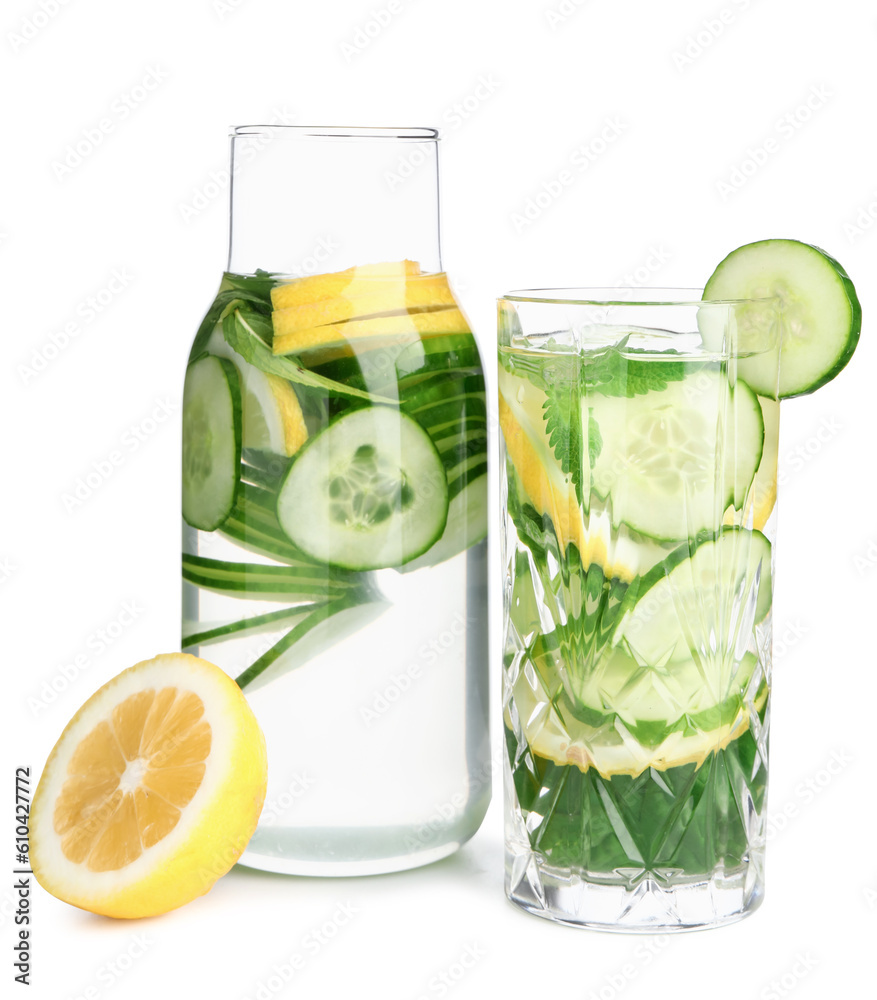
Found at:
<point>613,372</point>
<point>562,412</point>
<point>245,331</point>
<point>595,438</point>
<point>617,374</point>
<point>253,287</point>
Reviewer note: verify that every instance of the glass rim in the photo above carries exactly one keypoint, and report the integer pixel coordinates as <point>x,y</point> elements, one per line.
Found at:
<point>418,133</point>
<point>609,296</point>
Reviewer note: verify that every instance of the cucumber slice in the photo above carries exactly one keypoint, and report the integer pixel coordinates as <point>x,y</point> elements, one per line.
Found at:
<point>821,316</point>
<point>673,460</point>
<point>649,696</point>
<point>701,603</point>
<point>368,492</point>
<point>466,526</point>
<point>211,442</point>
<point>538,711</point>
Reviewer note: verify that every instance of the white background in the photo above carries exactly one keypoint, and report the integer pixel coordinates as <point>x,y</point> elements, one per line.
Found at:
<point>696,97</point>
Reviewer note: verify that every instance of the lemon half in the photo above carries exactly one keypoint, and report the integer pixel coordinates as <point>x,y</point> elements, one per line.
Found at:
<point>152,792</point>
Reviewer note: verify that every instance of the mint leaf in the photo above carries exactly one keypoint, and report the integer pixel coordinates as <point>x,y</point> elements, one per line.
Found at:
<point>562,413</point>
<point>595,438</point>
<point>613,372</point>
<point>616,374</point>
<point>255,288</point>
<point>245,331</point>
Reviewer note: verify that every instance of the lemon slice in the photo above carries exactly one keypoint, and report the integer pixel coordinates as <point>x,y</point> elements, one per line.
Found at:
<point>273,420</point>
<point>445,319</point>
<point>272,416</point>
<point>352,281</point>
<point>549,489</point>
<point>388,298</point>
<point>152,791</point>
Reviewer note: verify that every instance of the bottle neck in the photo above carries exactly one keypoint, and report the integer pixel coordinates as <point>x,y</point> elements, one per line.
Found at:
<point>309,201</point>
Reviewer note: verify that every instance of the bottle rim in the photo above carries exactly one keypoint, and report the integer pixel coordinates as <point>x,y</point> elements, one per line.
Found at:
<point>397,134</point>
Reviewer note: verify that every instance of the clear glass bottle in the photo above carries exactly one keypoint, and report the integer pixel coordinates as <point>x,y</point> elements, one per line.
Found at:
<point>335,501</point>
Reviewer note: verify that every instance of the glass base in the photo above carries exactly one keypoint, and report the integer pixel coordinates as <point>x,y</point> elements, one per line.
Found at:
<point>344,851</point>
<point>634,902</point>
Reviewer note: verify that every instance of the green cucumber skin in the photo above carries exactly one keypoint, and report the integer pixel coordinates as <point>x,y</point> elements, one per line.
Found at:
<point>246,626</point>
<point>234,387</point>
<point>253,525</point>
<point>242,573</point>
<point>741,386</point>
<point>440,413</point>
<point>855,322</point>
<point>319,614</point>
<point>852,340</point>
<point>445,436</point>
<point>448,352</point>
<point>441,389</point>
<point>476,523</point>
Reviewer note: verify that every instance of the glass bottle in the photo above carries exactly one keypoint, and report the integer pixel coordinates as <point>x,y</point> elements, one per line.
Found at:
<point>335,501</point>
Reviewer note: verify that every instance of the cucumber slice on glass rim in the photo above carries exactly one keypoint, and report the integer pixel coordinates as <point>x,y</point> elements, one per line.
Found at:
<point>820,313</point>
